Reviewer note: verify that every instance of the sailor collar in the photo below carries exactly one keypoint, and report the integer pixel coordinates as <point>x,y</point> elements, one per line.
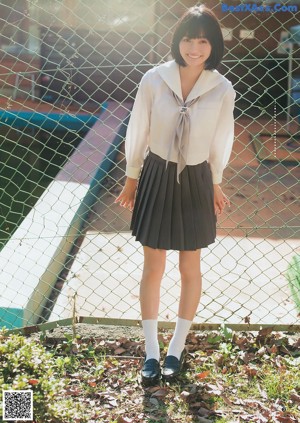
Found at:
<point>208,79</point>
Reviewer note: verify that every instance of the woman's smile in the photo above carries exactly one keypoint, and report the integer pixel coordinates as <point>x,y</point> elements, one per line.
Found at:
<point>195,51</point>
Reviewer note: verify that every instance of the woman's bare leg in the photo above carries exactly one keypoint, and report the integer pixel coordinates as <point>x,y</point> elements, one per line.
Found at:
<point>154,267</point>
<point>191,283</point>
<point>191,287</point>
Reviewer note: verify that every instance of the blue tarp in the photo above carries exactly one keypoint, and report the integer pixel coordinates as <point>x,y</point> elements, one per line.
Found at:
<point>47,121</point>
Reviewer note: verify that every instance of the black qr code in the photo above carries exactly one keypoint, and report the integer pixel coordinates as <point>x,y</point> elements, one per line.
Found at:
<point>17,405</point>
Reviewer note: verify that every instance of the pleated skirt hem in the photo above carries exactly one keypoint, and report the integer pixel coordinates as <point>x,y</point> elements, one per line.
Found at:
<point>174,216</point>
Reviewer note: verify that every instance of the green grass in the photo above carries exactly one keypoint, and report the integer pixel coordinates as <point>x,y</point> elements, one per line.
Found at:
<point>228,378</point>
<point>293,277</point>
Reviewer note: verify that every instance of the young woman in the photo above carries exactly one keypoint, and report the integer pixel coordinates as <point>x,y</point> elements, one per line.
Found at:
<point>179,137</point>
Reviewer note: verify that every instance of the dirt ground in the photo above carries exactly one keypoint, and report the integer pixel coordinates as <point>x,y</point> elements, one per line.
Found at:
<point>88,331</point>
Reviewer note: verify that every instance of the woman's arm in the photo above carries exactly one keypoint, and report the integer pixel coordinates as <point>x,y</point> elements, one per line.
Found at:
<point>137,134</point>
<point>136,142</point>
<point>221,146</point>
<point>127,195</point>
<point>220,200</point>
<point>220,149</point>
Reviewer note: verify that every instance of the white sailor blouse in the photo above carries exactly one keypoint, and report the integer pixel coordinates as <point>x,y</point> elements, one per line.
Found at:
<point>206,121</point>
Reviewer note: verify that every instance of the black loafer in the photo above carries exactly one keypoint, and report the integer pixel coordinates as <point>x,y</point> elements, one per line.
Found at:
<point>172,366</point>
<point>150,372</point>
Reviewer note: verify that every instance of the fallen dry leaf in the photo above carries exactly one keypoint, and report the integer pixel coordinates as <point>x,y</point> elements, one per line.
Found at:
<point>184,395</point>
<point>262,392</point>
<point>92,384</point>
<point>265,332</point>
<point>33,381</point>
<point>295,344</point>
<point>280,363</point>
<point>248,418</point>
<point>256,404</point>
<point>122,419</point>
<point>247,319</point>
<point>295,398</point>
<point>213,389</point>
<point>247,357</point>
<point>242,342</point>
<point>250,371</point>
<point>123,393</point>
<point>119,351</point>
<point>226,400</point>
<point>193,339</point>
<point>112,401</point>
<point>73,391</point>
<point>203,375</point>
<point>152,389</point>
<point>235,410</point>
<point>285,418</point>
<point>160,393</point>
<point>272,350</point>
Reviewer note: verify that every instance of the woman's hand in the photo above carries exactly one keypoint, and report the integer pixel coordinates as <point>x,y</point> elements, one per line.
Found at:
<point>127,195</point>
<point>220,200</point>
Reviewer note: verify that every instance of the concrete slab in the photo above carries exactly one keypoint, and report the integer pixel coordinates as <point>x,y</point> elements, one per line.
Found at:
<point>36,254</point>
<point>241,277</point>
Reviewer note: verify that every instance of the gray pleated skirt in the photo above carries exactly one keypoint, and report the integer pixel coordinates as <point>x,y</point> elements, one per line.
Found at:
<point>174,216</point>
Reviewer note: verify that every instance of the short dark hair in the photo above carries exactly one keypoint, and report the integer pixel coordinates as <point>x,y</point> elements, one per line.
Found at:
<point>199,21</point>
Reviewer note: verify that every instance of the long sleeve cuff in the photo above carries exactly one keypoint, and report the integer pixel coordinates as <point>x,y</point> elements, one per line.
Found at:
<point>133,172</point>
<point>217,178</point>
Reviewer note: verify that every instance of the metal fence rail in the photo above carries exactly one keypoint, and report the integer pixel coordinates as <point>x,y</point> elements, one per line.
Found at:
<point>68,76</point>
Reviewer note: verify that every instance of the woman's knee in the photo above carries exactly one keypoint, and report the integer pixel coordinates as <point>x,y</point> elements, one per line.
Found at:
<point>189,265</point>
<point>187,273</point>
<point>154,263</point>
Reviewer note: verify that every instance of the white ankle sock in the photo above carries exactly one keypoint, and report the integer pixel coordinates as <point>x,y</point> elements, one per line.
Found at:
<point>178,340</point>
<point>151,341</point>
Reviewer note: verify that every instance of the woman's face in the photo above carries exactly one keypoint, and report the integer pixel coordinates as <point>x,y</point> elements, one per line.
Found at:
<point>195,51</point>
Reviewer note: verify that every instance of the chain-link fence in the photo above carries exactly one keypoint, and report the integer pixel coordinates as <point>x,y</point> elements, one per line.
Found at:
<point>69,74</point>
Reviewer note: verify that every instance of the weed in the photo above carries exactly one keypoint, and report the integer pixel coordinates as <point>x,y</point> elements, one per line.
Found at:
<point>228,377</point>
<point>25,364</point>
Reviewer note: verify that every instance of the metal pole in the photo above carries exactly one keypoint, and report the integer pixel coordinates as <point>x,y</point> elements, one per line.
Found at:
<point>289,90</point>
